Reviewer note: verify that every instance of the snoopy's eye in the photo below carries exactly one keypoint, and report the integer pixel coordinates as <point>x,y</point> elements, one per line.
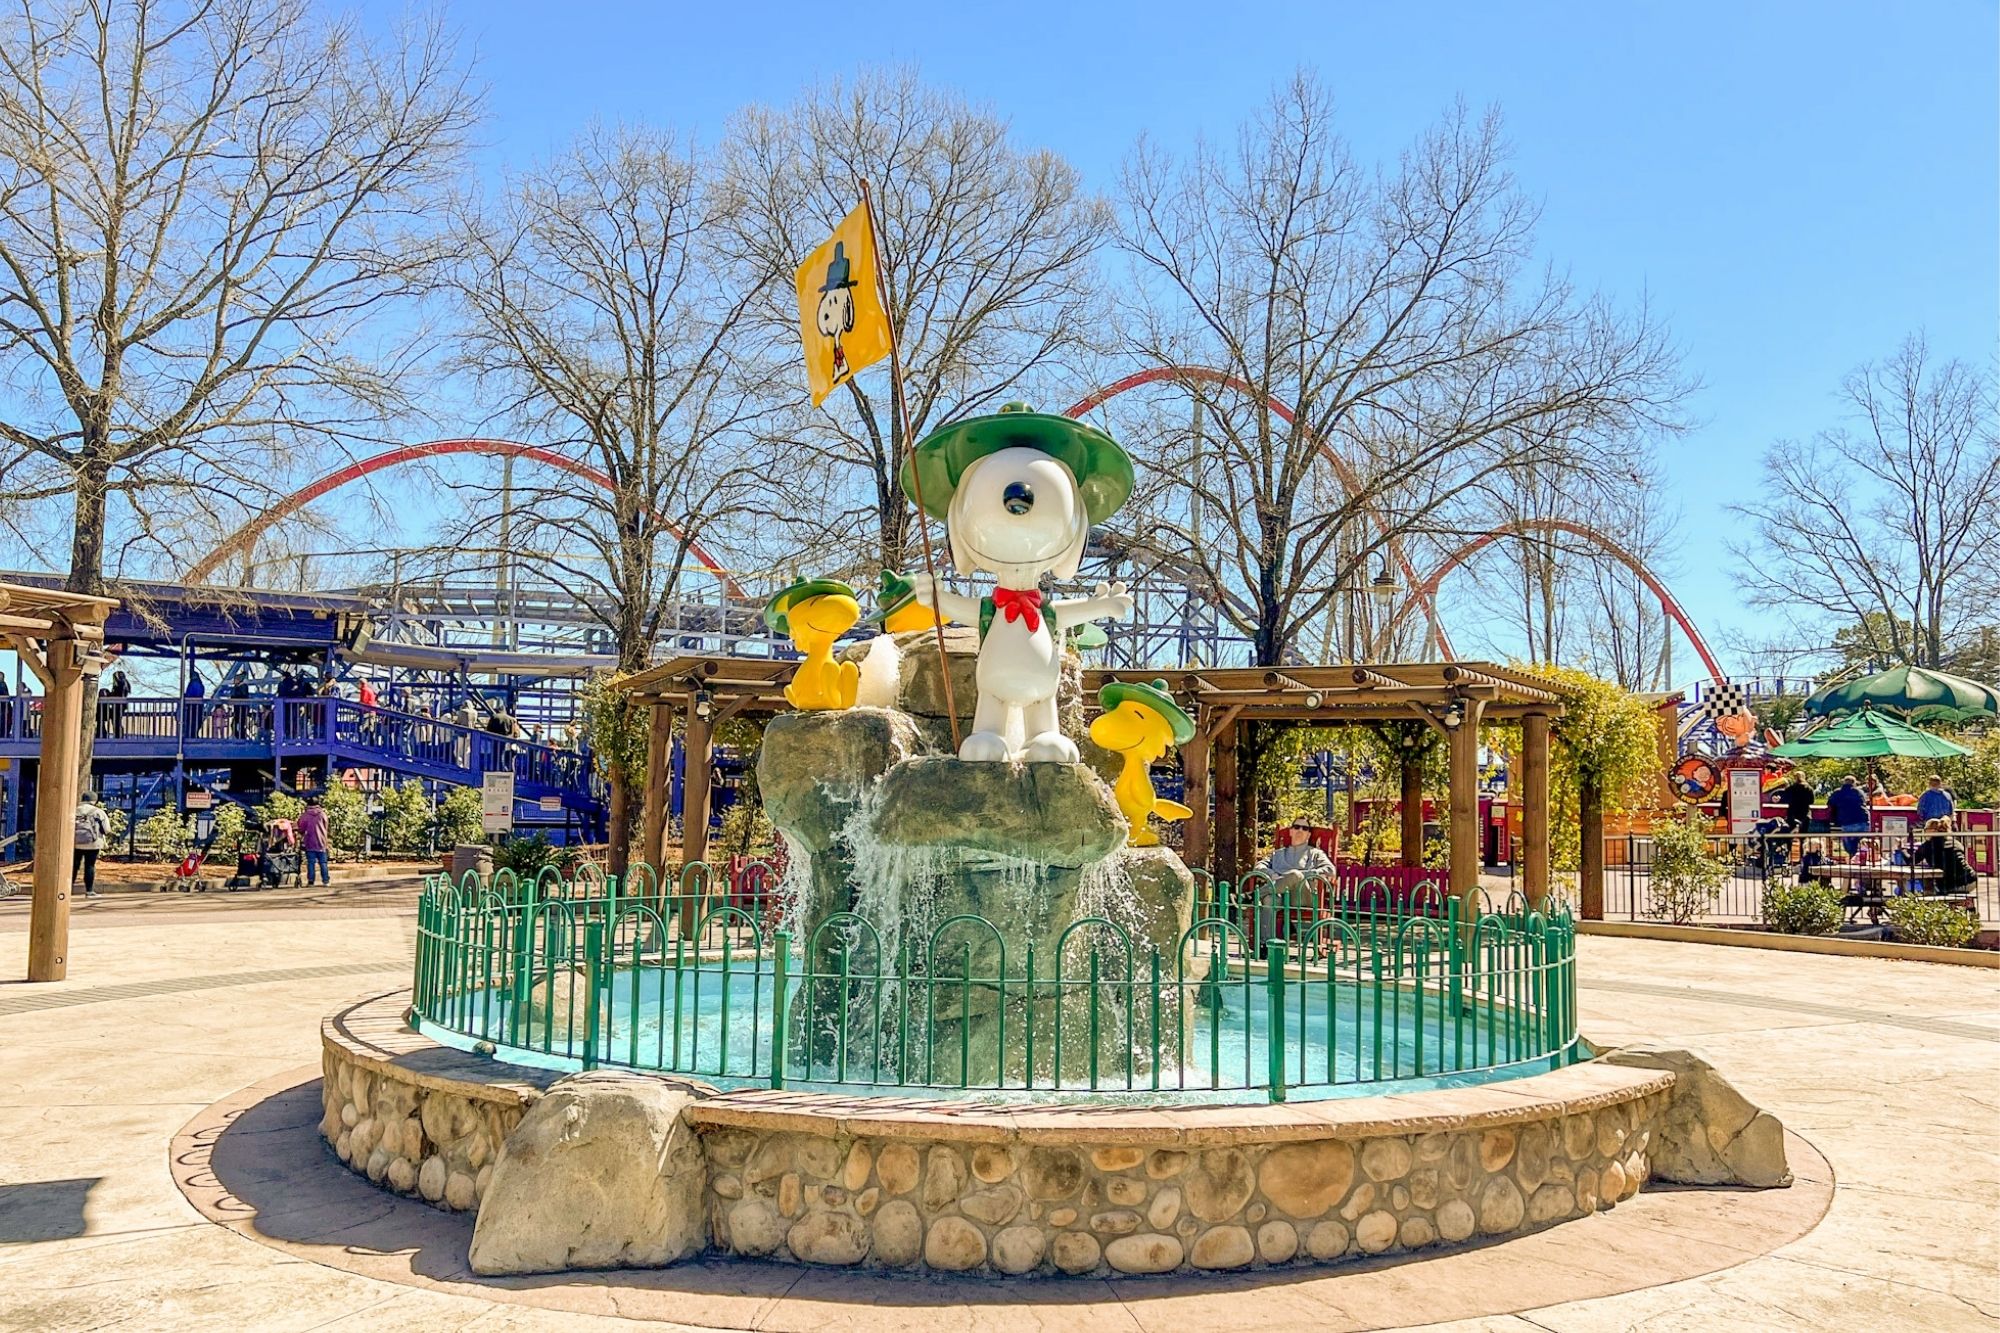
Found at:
<point>1018,498</point>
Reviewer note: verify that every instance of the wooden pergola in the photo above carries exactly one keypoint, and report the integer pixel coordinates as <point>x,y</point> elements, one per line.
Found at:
<point>59,636</point>
<point>1453,698</point>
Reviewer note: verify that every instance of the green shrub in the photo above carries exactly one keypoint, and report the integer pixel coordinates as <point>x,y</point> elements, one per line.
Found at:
<point>281,805</point>
<point>166,835</point>
<point>1802,909</point>
<point>346,817</point>
<point>1919,920</point>
<point>527,857</point>
<point>1687,879</point>
<point>458,818</point>
<point>227,824</point>
<point>407,817</point>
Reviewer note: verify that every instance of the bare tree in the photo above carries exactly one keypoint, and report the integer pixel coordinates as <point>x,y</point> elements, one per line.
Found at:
<point>204,205</point>
<point>602,322</point>
<point>1886,527</point>
<point>1394,315</point>
<point>989,259</point>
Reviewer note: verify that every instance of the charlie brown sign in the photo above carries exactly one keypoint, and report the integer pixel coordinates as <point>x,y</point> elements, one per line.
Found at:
<point>840,307</point>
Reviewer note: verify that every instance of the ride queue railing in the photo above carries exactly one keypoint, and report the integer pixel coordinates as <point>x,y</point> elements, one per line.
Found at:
<point>1265,992</point>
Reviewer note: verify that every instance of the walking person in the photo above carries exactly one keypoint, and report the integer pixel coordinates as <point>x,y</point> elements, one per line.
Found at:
<point>313,842</point>
<point>93,826</point>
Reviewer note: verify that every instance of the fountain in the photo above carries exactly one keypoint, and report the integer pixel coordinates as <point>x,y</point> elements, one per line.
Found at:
<point>988,1022</point>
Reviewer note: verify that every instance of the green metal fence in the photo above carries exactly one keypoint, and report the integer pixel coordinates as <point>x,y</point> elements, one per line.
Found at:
<point>1266,993</point>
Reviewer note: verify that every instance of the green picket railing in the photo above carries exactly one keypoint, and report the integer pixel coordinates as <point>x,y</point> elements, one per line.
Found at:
<point>1266,993</point>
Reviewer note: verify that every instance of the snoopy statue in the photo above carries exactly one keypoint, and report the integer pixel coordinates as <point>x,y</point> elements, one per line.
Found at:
<point>1019,492</point>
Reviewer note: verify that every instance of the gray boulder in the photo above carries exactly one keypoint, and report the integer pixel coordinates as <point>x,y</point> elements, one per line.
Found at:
<point>1054,814</point>
<point>602,1172</point>
<point>1711,1134</point>
<point>813,768</point>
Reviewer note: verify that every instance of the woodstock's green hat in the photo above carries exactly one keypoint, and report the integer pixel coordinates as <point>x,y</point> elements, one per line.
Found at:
<point>893,592</point>
<point>1152,696</point>
<point>1102,469</point>
<point>778,607</point>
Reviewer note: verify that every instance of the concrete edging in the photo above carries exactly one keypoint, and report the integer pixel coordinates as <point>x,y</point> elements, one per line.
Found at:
<point>1765,939</point>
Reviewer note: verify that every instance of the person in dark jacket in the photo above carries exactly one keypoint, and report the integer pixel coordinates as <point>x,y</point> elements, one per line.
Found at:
<point>1798,799</point>
<point>1939,852</point>
<point>1847,810</point>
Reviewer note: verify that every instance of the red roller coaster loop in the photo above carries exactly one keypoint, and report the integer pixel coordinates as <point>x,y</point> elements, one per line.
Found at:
<point>1522,527</point>
<point>246,536</point>
<point>1346,474</point>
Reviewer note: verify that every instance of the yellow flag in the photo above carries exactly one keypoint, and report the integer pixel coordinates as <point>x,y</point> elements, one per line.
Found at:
<point>841,320</point>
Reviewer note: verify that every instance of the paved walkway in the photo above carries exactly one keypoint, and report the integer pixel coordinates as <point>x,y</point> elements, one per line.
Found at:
<point>1892,1070</point>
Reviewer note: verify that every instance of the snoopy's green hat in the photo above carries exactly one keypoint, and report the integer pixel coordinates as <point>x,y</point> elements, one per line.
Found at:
<point>1153,697</point>
<point>780,606</point>
<point>1102,469</point>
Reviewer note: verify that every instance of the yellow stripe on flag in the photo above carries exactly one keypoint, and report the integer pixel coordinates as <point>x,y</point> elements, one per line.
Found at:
<point>841,321</point>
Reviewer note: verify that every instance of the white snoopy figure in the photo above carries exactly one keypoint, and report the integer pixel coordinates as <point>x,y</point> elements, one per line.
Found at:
<point>1020,492</point>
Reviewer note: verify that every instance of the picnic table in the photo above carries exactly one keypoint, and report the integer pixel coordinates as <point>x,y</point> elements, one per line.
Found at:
<point>1870,882</point>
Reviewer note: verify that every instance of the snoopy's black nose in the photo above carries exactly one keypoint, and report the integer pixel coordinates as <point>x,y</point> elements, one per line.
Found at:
<point>1019,497</point>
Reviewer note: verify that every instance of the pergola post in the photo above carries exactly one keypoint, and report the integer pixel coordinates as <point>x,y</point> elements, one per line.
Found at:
<point>1535,807</point>
<point>1228,825</point>
<point>1195,841</point>
<point>56,784</point>
<point>1465,808</point>
<point>1590,856</point>
<point>695,778</point>
<point>1413,807</point>
<point>659,749</point>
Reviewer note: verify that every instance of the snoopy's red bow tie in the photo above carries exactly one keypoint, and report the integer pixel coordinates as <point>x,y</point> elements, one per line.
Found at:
<point>1020,604</point>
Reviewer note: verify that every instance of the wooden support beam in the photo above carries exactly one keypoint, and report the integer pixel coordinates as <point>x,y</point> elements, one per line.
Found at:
<point>1216,720</point>
<point>1375,679</point>
<point>1413,808</point>
<point>1590,856</point>
<point>1227,821</point>
<point>696,776</point>
<point>1465,858</point>
<point>659,781</point>
<point>1535,807</point>
<point>1464,675</point>
<point>1195,833</point>
<point>55,811</point>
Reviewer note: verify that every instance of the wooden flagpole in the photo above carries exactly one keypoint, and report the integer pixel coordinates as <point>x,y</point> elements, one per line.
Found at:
<point>916,473</point>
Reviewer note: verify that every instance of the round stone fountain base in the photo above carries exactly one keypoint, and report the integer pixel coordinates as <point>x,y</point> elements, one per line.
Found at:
<point>901,1183</point>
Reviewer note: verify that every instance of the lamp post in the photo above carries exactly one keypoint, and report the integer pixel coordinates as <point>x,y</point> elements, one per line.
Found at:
<point>1383,589</point>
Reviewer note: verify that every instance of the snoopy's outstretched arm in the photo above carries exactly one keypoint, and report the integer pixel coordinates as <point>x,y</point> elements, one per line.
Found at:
<point>955,606</point>
<point>1109,601</point>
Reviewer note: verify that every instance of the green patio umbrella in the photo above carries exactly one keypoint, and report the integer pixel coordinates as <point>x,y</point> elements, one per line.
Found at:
<point>1868,735</point>
<point>1905,689</point>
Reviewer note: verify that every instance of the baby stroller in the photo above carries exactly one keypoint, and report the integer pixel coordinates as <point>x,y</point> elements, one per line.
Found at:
<point>187,875</point>
<point>281,855</point>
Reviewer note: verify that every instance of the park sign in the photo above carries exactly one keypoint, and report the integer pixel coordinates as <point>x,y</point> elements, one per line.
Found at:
<point>496,803</point>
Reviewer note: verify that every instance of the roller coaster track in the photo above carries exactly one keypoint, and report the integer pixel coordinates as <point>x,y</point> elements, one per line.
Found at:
<point>1349,480</point>
<point>245,537</point>
<point>1521,528</point>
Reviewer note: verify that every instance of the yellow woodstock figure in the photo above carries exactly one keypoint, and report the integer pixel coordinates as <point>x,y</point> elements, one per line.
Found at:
<point>813,613</point>
<point>1140,722</point>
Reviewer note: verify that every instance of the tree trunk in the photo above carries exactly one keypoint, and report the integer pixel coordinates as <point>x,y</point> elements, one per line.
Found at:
<point>86,575</point>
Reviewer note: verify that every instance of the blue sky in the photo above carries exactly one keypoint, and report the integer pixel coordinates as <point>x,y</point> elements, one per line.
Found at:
<point>1794,186</point>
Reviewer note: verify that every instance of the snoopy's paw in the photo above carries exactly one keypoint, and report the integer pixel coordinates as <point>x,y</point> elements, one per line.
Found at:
<point>985,747</point>
<point>1051,748</point>
<point>1115,596</point>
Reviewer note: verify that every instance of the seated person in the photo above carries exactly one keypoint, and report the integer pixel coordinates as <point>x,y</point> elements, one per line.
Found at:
<point>1291,863</point>
<point>1939,852</point>
<point>1295,859</point>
